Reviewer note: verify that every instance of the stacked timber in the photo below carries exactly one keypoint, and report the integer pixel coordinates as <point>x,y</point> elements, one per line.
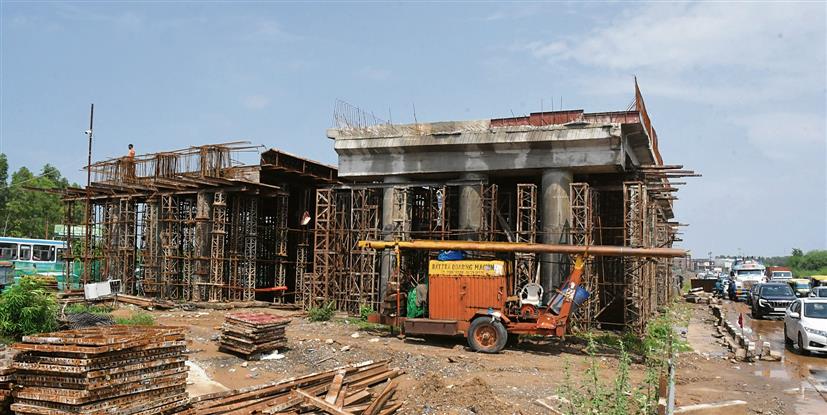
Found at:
<point>252,334</point>
<point>361,389</point>
<point>145,303</point>
<point>101,370</point>
<point>71,297</point>
<point>49,281</point>
<point>6,379</point>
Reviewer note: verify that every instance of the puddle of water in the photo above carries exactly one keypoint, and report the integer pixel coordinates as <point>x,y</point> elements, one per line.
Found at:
<point>772,373</point>
<point>809,372</point>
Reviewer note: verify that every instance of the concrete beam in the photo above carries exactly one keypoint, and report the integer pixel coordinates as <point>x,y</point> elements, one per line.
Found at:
<point>601,158</point>
<point>587,149</point>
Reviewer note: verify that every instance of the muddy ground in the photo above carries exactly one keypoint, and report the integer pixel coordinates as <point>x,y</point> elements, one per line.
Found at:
<point>442,376</point>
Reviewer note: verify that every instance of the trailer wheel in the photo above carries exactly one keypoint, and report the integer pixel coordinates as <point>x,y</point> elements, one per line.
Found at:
<point>487,335</point>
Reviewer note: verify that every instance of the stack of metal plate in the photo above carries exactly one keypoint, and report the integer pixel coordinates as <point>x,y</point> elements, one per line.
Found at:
<point>101,370</point>
<point>252,334</point>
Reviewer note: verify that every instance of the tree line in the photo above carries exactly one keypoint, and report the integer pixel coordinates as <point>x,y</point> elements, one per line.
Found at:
<point>803,264</point>
<point>25,212</point>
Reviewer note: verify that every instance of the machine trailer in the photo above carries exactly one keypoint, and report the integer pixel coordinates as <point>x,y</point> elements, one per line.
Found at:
<point>479,304</point>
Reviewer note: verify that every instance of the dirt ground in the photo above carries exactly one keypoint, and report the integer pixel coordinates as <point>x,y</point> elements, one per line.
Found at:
<point>442,376</point>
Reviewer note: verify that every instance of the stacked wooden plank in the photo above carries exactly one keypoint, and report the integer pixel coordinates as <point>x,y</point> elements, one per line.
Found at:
<point>101,370</point>
<point>6,379</point>
<point>252,334</point>
<point>71,297</point>
<point>146,303</point>
<point>49,282</point>
<point>361,389</point>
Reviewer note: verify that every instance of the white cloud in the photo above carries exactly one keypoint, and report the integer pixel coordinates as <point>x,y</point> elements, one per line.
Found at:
<point>717,53</point>
<point>255,102</point>
<point>684,36</point>
<point>786,136</point>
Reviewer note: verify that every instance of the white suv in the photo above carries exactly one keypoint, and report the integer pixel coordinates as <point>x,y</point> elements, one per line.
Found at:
<point>805,324</point>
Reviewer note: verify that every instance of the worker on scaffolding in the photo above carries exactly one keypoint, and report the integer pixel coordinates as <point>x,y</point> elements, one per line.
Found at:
<point>129,163</point>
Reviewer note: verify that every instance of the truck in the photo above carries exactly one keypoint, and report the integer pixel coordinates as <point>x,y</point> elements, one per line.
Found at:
<point>744,275</point>
<point>475,299</point>
<point>779,274</point>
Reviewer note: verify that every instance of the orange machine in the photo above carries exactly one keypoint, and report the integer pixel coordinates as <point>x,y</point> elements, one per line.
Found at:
<point>472,297</point>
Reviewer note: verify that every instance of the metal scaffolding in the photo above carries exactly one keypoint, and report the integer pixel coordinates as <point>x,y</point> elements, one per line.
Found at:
<point>488,213</point>
<point>525,264</point>
<point>583,212</point>
<point>181,225</point>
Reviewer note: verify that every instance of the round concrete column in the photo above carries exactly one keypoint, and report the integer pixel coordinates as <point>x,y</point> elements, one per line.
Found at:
<point>556,220</point>
<point>470,207</point>
<point>388,259</point>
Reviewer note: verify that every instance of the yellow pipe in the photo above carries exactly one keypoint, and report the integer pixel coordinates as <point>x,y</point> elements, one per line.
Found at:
<point>599,250</point>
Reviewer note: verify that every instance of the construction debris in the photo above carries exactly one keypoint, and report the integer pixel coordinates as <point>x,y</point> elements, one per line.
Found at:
<point>101,370</point>
<point>74,321</point>
<point>252,334</point>
<point>146,303</point>
<point>365,388</point>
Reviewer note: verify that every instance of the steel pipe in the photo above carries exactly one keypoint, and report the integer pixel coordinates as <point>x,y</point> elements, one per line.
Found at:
<point>601,250</point>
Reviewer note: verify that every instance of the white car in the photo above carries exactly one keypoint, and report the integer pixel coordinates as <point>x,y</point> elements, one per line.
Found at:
<point>819,292</point>
<point>805,324</point>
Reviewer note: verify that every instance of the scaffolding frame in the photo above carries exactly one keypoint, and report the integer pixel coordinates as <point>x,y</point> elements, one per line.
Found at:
<point>525,264</point>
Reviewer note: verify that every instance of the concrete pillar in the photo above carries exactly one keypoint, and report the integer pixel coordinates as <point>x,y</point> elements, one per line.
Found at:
<point>556,220</point>
<point>470,207</point>
<point>203,216</point>
<point>388,228</point>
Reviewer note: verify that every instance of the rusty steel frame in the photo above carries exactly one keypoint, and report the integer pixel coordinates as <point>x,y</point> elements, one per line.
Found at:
<point>488,212</point>
<point>581,201</point>
<point>525,264</point>
<point>218,236</point>
<point>323,251</point>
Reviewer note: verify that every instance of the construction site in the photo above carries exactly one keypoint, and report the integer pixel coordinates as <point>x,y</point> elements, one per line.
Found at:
<point>287,286</point>
<point>194,225</point>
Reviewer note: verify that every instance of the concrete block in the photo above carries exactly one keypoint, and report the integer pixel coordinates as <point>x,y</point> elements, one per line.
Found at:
<point>740,354</point>
<point>765,349</point>
<point>734,407</point>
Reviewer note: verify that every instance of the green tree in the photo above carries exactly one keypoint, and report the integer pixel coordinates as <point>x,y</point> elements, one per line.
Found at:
<point>29,211</point>
<point>4,181</point>
<point>795,259</point>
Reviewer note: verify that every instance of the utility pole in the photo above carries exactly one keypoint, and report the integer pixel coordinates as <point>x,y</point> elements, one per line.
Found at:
<point>88,215</point>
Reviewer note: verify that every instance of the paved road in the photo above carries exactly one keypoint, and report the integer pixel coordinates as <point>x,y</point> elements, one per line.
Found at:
<point>807,373</point>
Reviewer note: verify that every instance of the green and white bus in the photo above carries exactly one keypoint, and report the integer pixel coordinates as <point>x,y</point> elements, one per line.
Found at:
<point>24,256</point>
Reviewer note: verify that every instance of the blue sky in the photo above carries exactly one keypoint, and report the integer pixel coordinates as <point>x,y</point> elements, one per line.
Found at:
<point>736,90</point>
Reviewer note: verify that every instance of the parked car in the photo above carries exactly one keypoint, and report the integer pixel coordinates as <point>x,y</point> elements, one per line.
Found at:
<point>805,324</point>
<point>801,286</point>
<point>820,292</point>
<point>770,299</point>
